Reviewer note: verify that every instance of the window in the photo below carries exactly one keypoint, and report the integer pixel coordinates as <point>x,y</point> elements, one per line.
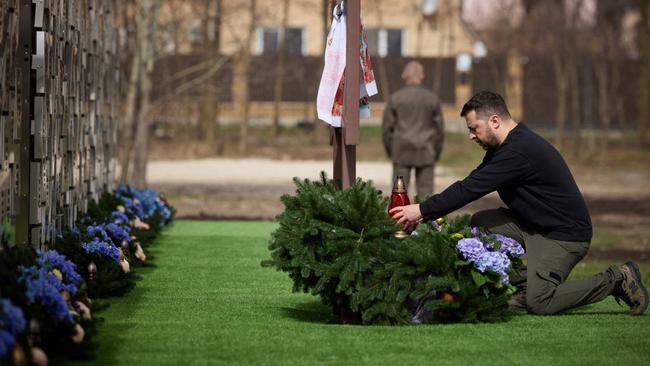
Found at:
<point>195,32</point>
<point>294,41</point>
<point>372,36</point>
<point>393,42</point>
<point>385,42</point>
<point>270,40</point>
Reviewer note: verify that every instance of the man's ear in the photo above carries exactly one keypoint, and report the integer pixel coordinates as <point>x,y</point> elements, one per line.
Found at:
<point>494,121</point>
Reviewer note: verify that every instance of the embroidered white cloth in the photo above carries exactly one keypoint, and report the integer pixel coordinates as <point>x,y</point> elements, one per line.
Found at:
<point>329,102</point>
<point>333,70</point>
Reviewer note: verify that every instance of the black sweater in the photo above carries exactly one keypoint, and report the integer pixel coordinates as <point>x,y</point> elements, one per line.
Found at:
<point>532,179</point>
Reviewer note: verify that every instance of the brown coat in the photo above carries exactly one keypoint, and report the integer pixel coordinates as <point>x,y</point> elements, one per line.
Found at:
<point>413,127</point>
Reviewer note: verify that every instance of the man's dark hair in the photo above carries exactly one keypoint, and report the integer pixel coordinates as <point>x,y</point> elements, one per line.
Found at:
<point>485,104</point>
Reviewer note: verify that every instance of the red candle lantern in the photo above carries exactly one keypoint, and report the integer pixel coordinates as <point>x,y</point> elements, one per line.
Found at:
<point>399,197</point>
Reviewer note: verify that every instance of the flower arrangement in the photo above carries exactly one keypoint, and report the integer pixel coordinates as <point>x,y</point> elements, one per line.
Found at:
<point>119,217</point>
<point>134,207</point>
<point>45,289</point>
<point>102,248</point>
<point>118,233</point>
<point>58,265</point>
<point>490,253</point>
<point>12,323</point>
<point>97,231</point>
<point>144,203</point>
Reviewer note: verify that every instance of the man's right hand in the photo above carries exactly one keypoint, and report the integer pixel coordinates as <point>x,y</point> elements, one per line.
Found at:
<point>409,216</point>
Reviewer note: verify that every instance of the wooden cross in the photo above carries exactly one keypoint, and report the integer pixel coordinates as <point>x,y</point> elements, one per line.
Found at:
<point>346,138</point>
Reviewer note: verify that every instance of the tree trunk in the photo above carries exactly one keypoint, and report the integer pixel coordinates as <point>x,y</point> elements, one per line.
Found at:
<point>603,104</point>
<point>418,42</point>
<point>279,71</point>
<point>437,68</point>
<point>146,25</point>
<point>644,77</point>
<point>129,117</point>
<point>208,106</point>
<point>574,89</point>
<point>245,70</point>
<point>615,96</point>
<point>561,108</point>
<point>219,142</point>
<point>384,84</point>
<point>141,148</point>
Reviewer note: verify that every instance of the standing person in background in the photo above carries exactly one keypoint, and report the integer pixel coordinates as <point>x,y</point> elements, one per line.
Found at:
<point>413,130</point>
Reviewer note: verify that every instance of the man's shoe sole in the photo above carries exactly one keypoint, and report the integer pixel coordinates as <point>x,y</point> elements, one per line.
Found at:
<point>637,274</point>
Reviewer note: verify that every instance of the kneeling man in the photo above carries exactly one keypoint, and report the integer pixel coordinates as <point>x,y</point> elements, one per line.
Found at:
<point>546,212</point>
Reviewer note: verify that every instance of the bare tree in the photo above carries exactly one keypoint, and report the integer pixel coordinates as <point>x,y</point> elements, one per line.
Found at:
<point>559,46</point>
<point>643,103</point>
<point>381,66</point>
<point>128,122</point>
<point>146,23</point>
<point>279,70</point>
<point>208,126</point>
<point>551,15</point>
<point>607,64</point>
<point>501,41</point>
<point>549,28</point>
<point>243,68</point>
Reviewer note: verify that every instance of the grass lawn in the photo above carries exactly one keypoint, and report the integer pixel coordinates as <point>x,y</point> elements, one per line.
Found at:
<point>209,301</point>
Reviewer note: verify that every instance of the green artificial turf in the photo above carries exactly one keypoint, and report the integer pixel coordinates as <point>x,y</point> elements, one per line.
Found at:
<point>208,301</point>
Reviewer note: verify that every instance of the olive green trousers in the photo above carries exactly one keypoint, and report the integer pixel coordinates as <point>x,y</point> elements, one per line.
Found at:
<point>548,264</point>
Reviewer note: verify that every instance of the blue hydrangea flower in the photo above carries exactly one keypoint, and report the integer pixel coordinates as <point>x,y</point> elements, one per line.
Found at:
<point>44,288</point>
<point>119,217</point>
<point>12,323</point>
<point>119,233</point>
<point>510,246</point>
<point>102,248</point>
<point>51,259</point>
<point>483,254</point>
<point>143,203</point>
<point>11,317</point>
<point>470,248</point>
<point>164,211</point>
<point>133,207</point>
<point>496,262</point>
<point>7,342</point>
<point>98,231</point>
<point>149,200</point>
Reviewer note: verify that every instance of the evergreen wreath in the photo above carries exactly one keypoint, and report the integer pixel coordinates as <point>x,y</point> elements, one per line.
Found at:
<point>339,245</point>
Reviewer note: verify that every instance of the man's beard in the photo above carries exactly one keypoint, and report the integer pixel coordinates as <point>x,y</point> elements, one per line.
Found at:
<point>490,142</point>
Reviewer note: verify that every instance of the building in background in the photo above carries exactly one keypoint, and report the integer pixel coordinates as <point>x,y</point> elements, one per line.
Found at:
<point>397,31</point>
<point>552,60</point>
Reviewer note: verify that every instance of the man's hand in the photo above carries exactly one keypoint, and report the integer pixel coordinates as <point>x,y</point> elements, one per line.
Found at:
<point>409,216</point>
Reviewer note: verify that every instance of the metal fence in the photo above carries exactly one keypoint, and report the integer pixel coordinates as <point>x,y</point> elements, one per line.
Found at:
<point>58,113</point>
<point>300,80</point>
<point>540,92</point>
